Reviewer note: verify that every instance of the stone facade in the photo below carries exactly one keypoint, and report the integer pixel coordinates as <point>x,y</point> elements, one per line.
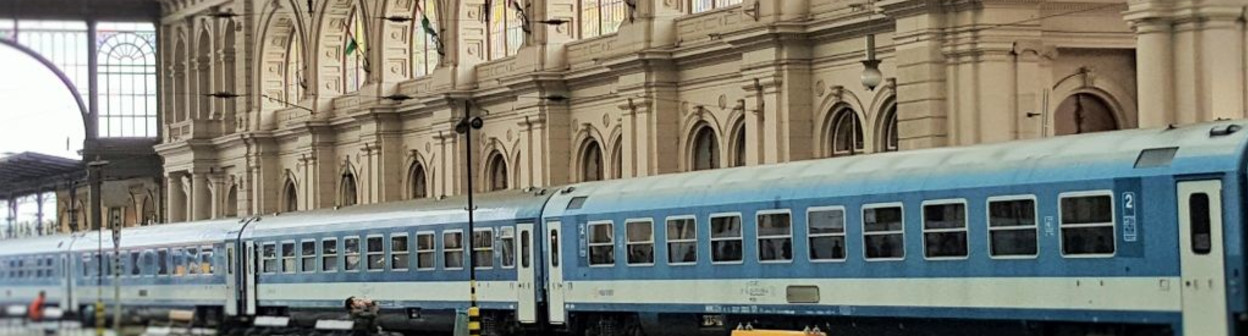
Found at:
<point>759,82</point>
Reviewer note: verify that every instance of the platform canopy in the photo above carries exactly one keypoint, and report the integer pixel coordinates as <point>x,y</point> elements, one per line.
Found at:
<point>29,172</point>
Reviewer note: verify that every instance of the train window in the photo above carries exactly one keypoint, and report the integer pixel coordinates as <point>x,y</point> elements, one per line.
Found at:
<point>483,248</point>
<point>576,202</point>
<point>192,260</point>
<point>883,233</point>
<point>288,257</point>
<point>135,270</point>
<point>205,261</point>
<point>376,253</point>
<point>351,253</point>
<point>682,241</point>
<point>453,250</point>
<point>1198,218</point>
<point>726,239</point>
<point>1012,229</point>
<point>525,255</point>
<point>554,246</point>
<point>178,255</point>
<point>507,237</point>
<point>601,244</point>
<point>400,252</point>
<point>1087,224</point>
<point>268,258</point>
<point>329,255</point>
<point>162,262</point>
<point>944,229</point>
<point>775,236</point>
<point>425,253</point>
<point>826,232</point>
<point>307,260</point>
<point>640,244</point>
<point>86,266</point>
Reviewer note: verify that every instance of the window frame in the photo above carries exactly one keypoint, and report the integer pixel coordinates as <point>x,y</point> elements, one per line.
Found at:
<point>490,250</point>
<point>844,233</point>
<point>433,249</point>
<point>160,260</point>
<point>864,234</point>
<point>629,243</point>
<point>316,252</point>
<point>337,255</point>
<point>590,244</point>
<point>1113,224</point>
<point>369,254</point>
<point>668,240</point>
<point>710,234</point>
<point>407,249</point>
<point>281,255</point>
<point>758,236</point>
<point>275,258</point>
<point>501,238</point>
<point>1035,224</point>
<point>461,249</point>
<point>358,253</point>
<point>966,226</point>
<point>211,255</point>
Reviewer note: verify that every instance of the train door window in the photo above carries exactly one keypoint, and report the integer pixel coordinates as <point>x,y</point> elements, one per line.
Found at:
<point>329,255</point>
<point>453,249</point>
<point>135,270</point>
<point>507,238</point>
<point>525,255</point>
<point>351,253</point>
<point>162,262</point>
<point>775,235</point>
<point>425,252</point>
<point>192,261</point>
<point>726,239</point>
<point>826,232</point>
<point>86,266</point>
<point>483,248</point>
<point>944,229</point>
<point>640,243</point>
<point>682,240</point>
<point>376,253</point>
<point>268,258</point>
<point>601,244</point>
<point>206,266</point>
<point>307,260</point>
<point>288,257</point>
<point>883,232</point>
<point>1198,213</point>
<point>1012,230</point>
<point>400,252</point>
<point>1087,224</point>
<point>554,248</point>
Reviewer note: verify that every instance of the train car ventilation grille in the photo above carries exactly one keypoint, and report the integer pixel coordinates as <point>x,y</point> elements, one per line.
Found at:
<point>1155,157</point>
<point>576,202</point>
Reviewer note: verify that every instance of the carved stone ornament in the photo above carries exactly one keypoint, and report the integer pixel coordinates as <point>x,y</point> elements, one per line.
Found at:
<point>723,101</point>
<point>606,120</point>
<point>820,88</point>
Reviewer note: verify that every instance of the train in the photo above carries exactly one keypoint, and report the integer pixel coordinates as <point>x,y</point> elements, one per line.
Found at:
<point>1131,232</point>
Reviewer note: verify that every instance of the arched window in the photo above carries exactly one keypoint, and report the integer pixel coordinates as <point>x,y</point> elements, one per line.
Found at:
<point>1084,113</point>
<point>355,62</point>
<point>738,146</point>
<point>203,74</point>
<point>347,193</point>
<point>424,46</point>
<point>417,185</point>
<point>149,211</point>
<point>498,172</point>
<point>600,17</point>
<point>293,75</point>
<point>591,162</point>
<point>699,6</point>
<point>617,158</point>
<point>705,149</point>
<point>888,129</point>
<point>231,202</point>
<point>127,79</point>
<point>291,197</point>
<point>505,33</point>
<point>846,133</point>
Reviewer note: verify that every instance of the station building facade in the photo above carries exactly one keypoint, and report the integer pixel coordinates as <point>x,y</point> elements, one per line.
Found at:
<point>289,105</point>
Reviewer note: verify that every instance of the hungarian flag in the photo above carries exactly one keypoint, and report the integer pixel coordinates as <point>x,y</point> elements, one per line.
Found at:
<point>427,26</point>
<point>353,40</point>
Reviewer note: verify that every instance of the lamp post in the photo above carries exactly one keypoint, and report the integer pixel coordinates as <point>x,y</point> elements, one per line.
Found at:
<point>465,127</point>
<point>94,171</point>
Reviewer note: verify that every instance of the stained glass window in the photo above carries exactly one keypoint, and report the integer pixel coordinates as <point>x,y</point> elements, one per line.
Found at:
<point>355,62</point>
<point>600,17</point>
<point>425,45</point>
<point>699,6</point>
<point>294,70</point>
<point>506,35</point>
<point>127,79</point>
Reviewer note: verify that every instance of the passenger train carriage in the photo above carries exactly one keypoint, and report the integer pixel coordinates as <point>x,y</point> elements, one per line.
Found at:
<point>1135,232</point>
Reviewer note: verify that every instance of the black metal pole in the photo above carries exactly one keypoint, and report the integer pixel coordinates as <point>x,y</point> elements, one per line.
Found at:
<point>474,313</point>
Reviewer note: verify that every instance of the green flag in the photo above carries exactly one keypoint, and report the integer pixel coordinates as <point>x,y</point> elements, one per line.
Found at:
<point>352,45</point>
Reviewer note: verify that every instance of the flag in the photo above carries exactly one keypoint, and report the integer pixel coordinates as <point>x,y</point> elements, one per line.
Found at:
<point>427,26</point>
<point>524,18</point>
<point>353,39</point>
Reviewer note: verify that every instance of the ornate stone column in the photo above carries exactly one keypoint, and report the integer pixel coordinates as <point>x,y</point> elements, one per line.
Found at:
<point>176,198</point>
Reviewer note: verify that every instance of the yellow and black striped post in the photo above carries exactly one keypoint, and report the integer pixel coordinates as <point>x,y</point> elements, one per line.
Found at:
<point>474,313</point>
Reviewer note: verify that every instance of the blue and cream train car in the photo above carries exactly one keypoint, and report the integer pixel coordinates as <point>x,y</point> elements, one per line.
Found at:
<point>1136,232</point>
<point>1126,233</point>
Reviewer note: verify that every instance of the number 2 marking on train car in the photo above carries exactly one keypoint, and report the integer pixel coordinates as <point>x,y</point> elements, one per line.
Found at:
<point>1129,232</point>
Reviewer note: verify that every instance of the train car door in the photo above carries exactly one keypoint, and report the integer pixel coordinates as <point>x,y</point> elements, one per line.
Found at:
<point>527,292</point>
<point>555,274</point>
<point>231,280</point>
<point>1200,238</point>
<point>249,278</point>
